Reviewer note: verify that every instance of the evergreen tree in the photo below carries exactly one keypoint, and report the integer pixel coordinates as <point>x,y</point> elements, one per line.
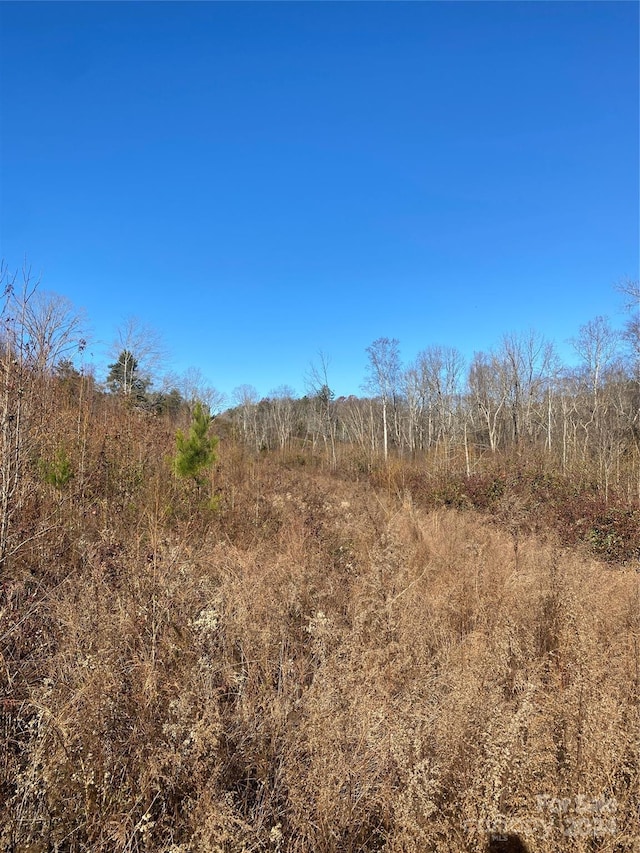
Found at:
<point>197,451</point>
<point>124,377</point>
<point>167,403</point>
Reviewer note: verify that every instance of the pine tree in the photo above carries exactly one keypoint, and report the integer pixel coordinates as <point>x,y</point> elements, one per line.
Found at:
<point>124,377</point>
<point>197,451</point>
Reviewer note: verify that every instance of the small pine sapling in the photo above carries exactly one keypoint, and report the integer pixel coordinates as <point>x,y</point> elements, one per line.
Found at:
<point>58,472</point>
<point>196,452</point>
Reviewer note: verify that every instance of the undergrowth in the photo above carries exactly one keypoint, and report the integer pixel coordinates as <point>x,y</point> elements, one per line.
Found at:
<point>403,663</point>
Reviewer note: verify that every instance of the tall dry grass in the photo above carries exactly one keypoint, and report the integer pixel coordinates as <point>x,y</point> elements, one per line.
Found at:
<point>318,665</point>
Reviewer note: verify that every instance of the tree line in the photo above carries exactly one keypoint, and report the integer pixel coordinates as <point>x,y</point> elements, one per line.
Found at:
<point>517,397</point>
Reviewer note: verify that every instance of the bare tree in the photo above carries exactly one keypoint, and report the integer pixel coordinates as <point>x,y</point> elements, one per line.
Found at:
<point>323,397</point>
<point>414,391</point>
<point>631,292</point>
<point>282,413</point>
<point>354,421</point>
<point>631,289</point>
<point>596,345</point>
<point>54,329</point>
<point>246,399</point>
<point>488,393</point>
<point>194,388</point>
<point>436,375</point>
<point>383,380</point>
<point>527,363</point>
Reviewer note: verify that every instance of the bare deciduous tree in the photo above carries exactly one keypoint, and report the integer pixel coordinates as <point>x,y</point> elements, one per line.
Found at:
<point>526,366</point>
<point>488,393</point>
<point>194,388</point>
<point>383,380</point>
<point>282,413</point>
<point>631,292</point>
<point>246,399</point>
<point>596,344</point>
<point>54,329</point>
<point>431,391</point>
<point>322,396</point>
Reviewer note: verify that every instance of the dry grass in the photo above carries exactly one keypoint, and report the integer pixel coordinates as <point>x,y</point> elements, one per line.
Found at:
<point>317,668</point>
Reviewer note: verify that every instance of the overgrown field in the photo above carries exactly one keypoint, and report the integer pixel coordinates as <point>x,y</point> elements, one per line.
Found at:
<point>287,659</point>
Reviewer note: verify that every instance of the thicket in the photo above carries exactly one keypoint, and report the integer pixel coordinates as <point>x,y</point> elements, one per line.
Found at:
<point>338,653</point>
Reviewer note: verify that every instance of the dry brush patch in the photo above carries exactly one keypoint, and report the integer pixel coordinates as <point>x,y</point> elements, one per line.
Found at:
<point>319,667</point>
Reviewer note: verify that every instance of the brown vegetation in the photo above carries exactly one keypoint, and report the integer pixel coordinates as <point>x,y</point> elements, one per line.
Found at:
<point>318,664</point>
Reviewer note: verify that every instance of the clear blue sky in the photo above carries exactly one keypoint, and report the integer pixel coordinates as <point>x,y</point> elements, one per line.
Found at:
<point>260,181</point>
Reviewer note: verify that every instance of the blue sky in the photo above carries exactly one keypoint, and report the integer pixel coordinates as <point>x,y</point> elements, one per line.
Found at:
<point>261,181</point>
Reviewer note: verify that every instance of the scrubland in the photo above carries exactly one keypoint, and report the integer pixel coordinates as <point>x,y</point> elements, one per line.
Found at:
<point>313,661</point>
